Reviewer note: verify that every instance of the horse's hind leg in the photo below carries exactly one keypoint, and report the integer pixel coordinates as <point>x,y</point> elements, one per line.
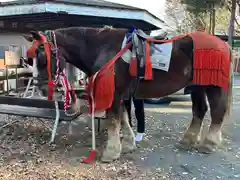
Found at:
<point>218,100</point>
<point>199,109</point>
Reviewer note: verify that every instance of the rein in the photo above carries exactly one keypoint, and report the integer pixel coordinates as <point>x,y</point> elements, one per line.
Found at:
<point>68,89</point>
<point>47,49</point>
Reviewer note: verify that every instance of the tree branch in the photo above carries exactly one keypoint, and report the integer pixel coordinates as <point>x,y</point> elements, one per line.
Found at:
<point>229,9</point>
<point>237,31</point>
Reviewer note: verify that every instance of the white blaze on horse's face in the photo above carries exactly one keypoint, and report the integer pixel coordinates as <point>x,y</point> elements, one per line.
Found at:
<point>35,70</point>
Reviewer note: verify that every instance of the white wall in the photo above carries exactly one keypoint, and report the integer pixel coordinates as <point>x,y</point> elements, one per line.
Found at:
<point>14,39</point>
<point>7,39</point>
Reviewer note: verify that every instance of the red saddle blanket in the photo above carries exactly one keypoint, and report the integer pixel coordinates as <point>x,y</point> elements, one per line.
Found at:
<point>211,60</point>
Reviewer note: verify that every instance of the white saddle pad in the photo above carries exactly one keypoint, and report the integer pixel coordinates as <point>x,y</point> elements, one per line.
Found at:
<point>160,57</point>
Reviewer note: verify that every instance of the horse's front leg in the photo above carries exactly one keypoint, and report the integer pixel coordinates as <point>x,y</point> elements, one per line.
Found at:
<point>114,148</point>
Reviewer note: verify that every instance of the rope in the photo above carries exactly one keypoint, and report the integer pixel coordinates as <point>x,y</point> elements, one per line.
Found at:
<point>57,59</point>
<point>68,99</point>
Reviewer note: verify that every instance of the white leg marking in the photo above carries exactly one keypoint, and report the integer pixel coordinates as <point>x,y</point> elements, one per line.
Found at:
<point>192,135</point>
<point>215,134</point>
<point>114,147</point>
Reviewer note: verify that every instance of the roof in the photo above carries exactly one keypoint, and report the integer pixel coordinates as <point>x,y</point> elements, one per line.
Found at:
<point>100,3</point>
<point>97,11</point>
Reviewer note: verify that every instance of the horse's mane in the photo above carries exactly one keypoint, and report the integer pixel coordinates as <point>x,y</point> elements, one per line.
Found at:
<point>86,43</point>
<point>106,34</point>
<point>105,28</point>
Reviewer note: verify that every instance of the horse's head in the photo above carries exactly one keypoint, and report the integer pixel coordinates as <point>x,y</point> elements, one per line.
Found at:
<point>43,57</point>
<point>86,48</point>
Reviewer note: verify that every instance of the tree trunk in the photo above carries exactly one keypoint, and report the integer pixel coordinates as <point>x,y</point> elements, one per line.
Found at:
<point>210,22</point>
<point>213,20</point>
<point>231,25</point>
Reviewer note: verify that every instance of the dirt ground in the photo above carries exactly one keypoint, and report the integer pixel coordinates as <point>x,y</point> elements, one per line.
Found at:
<point>26,155</point>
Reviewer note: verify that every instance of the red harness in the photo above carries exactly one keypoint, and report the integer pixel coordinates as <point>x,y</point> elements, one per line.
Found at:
<point>60,77</point>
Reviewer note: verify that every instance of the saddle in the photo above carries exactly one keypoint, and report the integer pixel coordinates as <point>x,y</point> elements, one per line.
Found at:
<point>141,50</point>
<point>143,35</point>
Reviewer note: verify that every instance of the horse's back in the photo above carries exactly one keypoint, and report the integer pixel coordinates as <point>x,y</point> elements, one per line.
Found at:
<point>203,40</point>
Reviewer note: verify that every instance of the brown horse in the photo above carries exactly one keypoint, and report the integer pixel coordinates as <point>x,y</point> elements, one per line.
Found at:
<point>89,49</point>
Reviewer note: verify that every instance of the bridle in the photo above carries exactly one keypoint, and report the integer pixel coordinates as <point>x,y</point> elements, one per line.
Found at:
<point>55,75</point>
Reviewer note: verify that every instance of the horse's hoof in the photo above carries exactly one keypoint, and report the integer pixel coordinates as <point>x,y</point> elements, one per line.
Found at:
<point>109,159</point>
<point>129,148</point>
<point>189,139</point>
<point>182,145</point>
<point>111,153</point>
<point>207,147</point>
<point>187,142</point>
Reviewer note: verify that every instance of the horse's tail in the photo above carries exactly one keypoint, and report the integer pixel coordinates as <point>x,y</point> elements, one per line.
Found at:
<point>230,88</point>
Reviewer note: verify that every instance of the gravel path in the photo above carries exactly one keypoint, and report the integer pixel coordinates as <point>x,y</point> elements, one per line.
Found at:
<point>25,154</point>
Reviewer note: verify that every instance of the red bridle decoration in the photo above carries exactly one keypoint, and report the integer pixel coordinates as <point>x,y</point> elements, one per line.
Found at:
<point>47,49</point>
<point>31,52</point>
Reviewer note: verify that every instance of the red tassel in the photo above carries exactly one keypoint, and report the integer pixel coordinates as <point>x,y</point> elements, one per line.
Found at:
<point>210,67</point>
<point>133,67</point>
<point>90,158</point>
<point>148,65</point>
<point>50,90</point>
<point>104,87</point>
<point>211,60</point>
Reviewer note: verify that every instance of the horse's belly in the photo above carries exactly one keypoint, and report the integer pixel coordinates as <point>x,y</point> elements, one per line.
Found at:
<point>163,84</point>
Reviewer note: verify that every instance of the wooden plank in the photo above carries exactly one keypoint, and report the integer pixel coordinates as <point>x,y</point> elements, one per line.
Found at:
<point>34,112</point>
<point>27,102</point>
<point>14,76</point>
<point>30,102</point>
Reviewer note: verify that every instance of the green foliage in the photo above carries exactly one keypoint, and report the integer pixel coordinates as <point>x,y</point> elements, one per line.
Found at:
<point>222,20</point>
<point>201,10</point>
<point>196,13</point>
<point>197,6</point>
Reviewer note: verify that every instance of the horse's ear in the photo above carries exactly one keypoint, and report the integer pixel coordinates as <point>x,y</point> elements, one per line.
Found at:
<point>28,37</point>
<point>35,35</point>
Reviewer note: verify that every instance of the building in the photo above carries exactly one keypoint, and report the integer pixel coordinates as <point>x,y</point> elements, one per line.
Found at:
<point>22,16</point>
